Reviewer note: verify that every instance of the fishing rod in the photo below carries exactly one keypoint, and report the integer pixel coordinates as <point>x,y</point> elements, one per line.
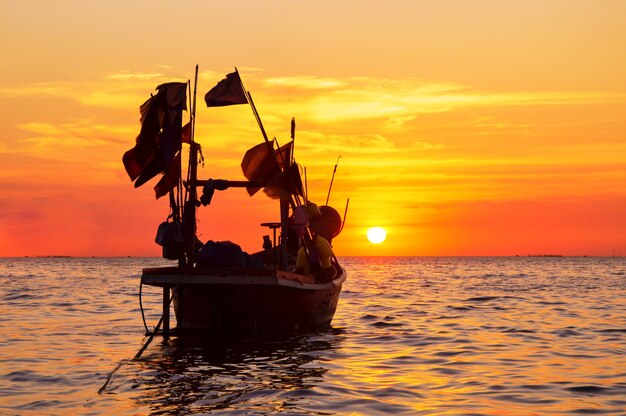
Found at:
<point>345,214</point>
<point>331,180</point>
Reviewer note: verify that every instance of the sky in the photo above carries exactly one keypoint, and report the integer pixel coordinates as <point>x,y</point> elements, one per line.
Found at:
<point>486,127</point>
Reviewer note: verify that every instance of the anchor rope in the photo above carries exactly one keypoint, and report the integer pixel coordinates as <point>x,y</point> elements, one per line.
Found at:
<point>143,316</point>
<point>141,350</point>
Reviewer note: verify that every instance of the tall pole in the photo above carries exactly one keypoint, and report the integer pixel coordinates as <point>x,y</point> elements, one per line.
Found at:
<point>258,119</point>
<point>190,205</point>
<point>256,113</point>
<point>190,135</point>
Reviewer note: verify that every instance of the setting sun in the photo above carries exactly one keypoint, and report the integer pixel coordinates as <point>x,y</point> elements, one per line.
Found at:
<point>376,235</point>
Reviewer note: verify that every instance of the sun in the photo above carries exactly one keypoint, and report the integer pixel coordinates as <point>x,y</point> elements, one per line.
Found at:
<point>376,235</point>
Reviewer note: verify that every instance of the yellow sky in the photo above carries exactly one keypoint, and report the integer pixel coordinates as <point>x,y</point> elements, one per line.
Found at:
<point>465,127</point>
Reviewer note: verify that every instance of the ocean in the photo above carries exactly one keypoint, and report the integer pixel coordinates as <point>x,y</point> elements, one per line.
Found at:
<point>412,336</point>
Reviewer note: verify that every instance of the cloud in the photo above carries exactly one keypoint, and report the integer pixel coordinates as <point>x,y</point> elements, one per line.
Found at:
<point>328,100</point>
<point>82,141</point>
<point>363,144</point>
<point>421,145</point>
<point>128,75</point>
<point>305,82</point>
<point>121,89</point>
<point>81,133</point>
<point>371,122</point>
<point>324,99</point>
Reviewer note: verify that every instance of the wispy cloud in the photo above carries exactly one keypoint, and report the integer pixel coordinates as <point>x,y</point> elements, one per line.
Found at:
<point>121,89</point>
<point>77,141</point>
<point>385,105</point>
<point>325,98</point>
<point>129,75</point>
<point>370,121</point>
<point>364,144</point>
<point>305,82</point>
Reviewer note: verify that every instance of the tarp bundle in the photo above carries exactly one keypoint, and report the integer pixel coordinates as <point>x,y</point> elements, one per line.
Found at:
<point>158,145</point>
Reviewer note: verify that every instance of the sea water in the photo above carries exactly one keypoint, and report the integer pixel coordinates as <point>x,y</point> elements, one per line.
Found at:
<point>414,336</point>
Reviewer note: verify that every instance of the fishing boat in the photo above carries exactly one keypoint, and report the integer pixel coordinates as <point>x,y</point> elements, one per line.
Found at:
<point>292,283</point>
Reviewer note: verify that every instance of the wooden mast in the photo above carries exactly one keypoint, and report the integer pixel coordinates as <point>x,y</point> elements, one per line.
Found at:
<point>190,204</point>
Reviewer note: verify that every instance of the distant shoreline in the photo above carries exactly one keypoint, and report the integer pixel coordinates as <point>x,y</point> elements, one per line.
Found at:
<point>347,256</point>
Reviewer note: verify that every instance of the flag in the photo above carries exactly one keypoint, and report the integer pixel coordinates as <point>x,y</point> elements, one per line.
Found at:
<point>283,155</point>
<point>137,158</point>
<point>160,137</point>
<point>272,169</point>
<point>170,179</point>
<point>186,133</point>
<point>227,92</point>
<point>289,182</point>
<point>259,165</point>
<point>294,184</point>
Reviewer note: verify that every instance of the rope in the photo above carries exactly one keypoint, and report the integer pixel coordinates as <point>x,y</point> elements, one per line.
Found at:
<point>110,376</point>
<point>143,316</point>
<point>156,329</point>
<point>141,350</point>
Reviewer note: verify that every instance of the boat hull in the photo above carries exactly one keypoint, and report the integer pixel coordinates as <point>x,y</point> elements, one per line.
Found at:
<point>236,302</point>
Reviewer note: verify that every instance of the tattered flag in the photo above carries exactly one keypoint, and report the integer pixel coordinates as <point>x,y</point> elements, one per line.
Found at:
<point>227,92</point>
<point>170,179</point>
<point>272,169</point>
<point>186,133</point>
<point>284,155</point>
<point>259,165</point>
<point>160,138</point>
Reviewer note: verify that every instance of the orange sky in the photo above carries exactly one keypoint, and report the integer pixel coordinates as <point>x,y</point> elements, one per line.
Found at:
<point>465,128</point>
